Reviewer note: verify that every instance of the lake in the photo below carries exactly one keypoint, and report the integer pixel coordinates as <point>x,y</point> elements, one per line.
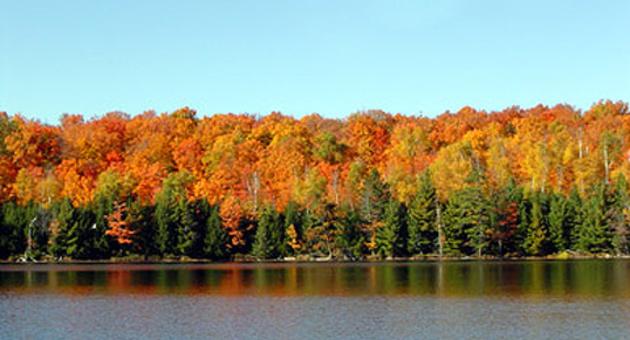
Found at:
<point>463,299</point>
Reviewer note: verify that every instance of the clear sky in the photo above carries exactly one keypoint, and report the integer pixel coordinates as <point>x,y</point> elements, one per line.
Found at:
<point>299,57</point>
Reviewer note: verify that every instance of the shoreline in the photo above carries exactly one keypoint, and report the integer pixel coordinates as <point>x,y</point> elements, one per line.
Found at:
<point>305,260</point>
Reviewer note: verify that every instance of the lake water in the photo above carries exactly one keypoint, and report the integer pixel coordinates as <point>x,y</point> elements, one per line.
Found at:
<point>529,299</point>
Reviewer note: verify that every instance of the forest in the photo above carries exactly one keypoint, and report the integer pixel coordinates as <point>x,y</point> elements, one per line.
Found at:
<point>511,183</point>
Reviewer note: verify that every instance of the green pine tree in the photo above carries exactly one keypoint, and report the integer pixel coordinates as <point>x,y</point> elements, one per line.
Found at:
<point>186,228</point>
<point>164,218</point>
<point>215,238</point>
<point>573,218</point>
<point>15,224</point>
<point>616,215</point>
<point>64,215</point>
<point>349,238</point>
<point>267,240</point>
<point>465,222</point>
<point>374,197</point>
<point>536,237</point>
<point>422,218</point>
<point>80,234</point>
<point>392,236</point>
<point>593,233</point>
<point>558,226</point>
<point>173,217</point>
<point>143,223</point>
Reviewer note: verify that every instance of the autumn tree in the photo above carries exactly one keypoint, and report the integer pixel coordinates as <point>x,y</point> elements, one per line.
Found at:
<point>118,225</point>
<point>520,181</point>
<point>294,229</point>
<point>505,218</point>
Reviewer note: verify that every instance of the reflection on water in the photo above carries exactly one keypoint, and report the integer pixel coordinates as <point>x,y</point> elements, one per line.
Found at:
<point>596,279</point>
<point>572,299</point>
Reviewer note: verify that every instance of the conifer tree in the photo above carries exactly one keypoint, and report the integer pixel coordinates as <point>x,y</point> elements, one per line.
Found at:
<point>64,216</point>
<point>173,217</point>
<point>593,234</point>
<point>465,222</point>
<point>268,236</point>
<point>392,236</point>
<point>574,217</point>
<point>215,237</point>
<point>374,197</point>
<point>165,219</point>
<point>422,218</point>
<point>535,240</point>
<point>186,227</point>
<point>349,238</point>
<point>15,223</point>
<point>616,215</point>
<point>80,233</point>
<point>558,223</point>
<point>143,223</point>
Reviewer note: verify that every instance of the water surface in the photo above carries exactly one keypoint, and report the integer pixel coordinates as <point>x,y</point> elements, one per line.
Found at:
<point>536,299</point>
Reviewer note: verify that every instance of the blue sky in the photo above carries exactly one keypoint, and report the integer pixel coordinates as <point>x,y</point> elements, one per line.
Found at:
<point>299,57</point>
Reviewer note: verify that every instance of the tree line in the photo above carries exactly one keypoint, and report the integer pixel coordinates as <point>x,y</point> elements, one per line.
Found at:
<point>518,182</point>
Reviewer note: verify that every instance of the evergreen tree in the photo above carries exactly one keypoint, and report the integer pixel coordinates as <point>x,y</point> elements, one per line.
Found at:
<point>559,232</point>
<point>349,238</point>
<point>186,227</point>
<point>64,215</point>
<point>466,222</point>
<point>535,240</point>
<point>215,237</point>
<point>268,240</point>
<point>277,235</point>
<point>616,215</point>
<point>392,236</point>
<point>143,223</point>
<point>80,234</point>
<point>574,217</point>
<point>422,218</point>
<point>173,218</point>
<point>593,234</point>
<point>164,207</point>
<point>374,198</point>
<point>15,222</point>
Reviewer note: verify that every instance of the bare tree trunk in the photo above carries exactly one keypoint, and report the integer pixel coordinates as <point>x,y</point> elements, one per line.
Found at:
<point>335,184</point>
<point>439,228</point>
<point>606,165</point>
<point>253,187</point>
